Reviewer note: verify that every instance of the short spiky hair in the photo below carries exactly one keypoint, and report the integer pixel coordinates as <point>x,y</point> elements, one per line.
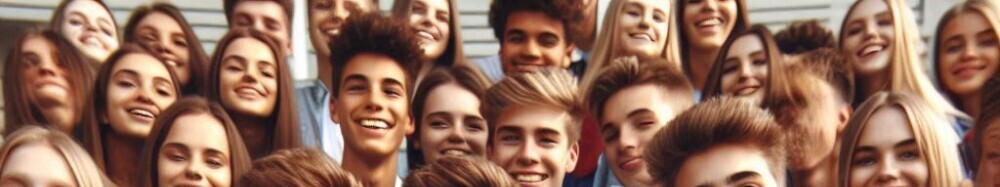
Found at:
<point>372,33</point>
<point>717,121</point>
<point>834,67</point>
<point>546,87</point>
<point>625,72</point>
<point>567,11</point>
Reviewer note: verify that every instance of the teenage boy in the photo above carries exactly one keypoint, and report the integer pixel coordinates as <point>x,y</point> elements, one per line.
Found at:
<point>536,119</point>
<point>372,59</point>
<point>273,17</point>
<point>720,142</point>
<point>534,34</point>
<point>632,100</point>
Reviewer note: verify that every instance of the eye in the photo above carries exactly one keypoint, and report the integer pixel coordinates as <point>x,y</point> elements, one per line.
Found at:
<point>475,126</point>
<point>955,48</point>
<point>548,141</point>
<point>549,41</point>
<point>125,84</point>
<point>323,5</point>
<point>510,139</point>
<point>658,18</point>
<point>515,38</point>
<point>609,136</point>
<point>988,42</point>
<point>180,42</point>
<point>214,164</point>
<point>439,125</point>
<point>176,157</point>
<point>633,13</point>
<point>394,93</point>
<point>864,161</point>
<point>164,92</point>
<point>232,68</point>
<point>909,155</point>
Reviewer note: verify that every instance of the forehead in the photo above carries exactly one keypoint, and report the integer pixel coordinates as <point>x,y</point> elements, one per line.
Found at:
<point>746,44</point>
<point>271,9</point>
<point>28,160</point>
<point>868,8</point>
<point>966,22</point>
<point>250,49</point>
<point>530,119</point>
<point>160,21</point>
<point>718,163</point>
<point>656,4</point>
<point>143,64</point>
<point>375,67</point>
<point>37,44</point>
<point>643,96</point>
<point>89,8</point>
<point>887,126</point>
<point>451,97</point>
<point>200,130</point>
<point>534,22</point>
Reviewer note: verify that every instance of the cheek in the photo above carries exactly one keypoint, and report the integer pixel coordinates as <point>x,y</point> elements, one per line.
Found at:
<point>220,177</point>
<point>861,175</point>
<point>728,80</point>
<point>167,170</point>
<point>164,102</point>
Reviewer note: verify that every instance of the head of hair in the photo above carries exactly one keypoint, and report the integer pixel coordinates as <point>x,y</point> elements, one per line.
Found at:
<point>285,130</point>
<point>990,109</point>
<point>934,137</point>
<point>607,48</point>
<point>453,53</point>
<point>229,6</point>
<point>566,11</point>
<point>59,15</point>
<point>626,72</point>
<point>775,62</point>
<point>373,34</point>
<point>546,87</point>
<point>79,72</point>
<point>92,126</point>
<point>804,36</point>
<point>742,22</point>
<point>465,76</point>
<point>982,8</point>
<point>834,67</point>
<point>197,60</point>
<point>194,105</point>
<point>459,171</point>
<point>792,92</point>
<point>717,121</point>
<point>84,171</point>
<point>297,167</point>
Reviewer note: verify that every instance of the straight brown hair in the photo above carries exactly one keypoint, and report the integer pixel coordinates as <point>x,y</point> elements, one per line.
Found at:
<point>197,59</point>
<point>713,85</point>
<point>466,77</point>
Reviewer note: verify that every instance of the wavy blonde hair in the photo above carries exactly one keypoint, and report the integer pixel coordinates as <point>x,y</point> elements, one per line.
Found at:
<point>607,48</point>
<point>85,171</point>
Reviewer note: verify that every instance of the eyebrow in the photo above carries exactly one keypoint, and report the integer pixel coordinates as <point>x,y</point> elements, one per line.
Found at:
<point>743,175</point>
<point>758,53</point>
<point>355,77</point>
<point>125,72</point>
<point>509,129</point>
<point>237,58</point>
<point>391,82</point>
<point>441,114</point>
<point>906,142</point>
<point>986,32</point>
<point>175,145</point>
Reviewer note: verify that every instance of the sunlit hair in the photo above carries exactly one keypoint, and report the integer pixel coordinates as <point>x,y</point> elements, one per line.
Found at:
<point>607,46</point>
<point>626,72</point>
<point>546,87</point>
<point>466,77</point>
<point>453,53</point>
<point>59,15</point>
<point>370,33</point>
<point>982,8</point>
<point>566,11</point>
<point>79,74</point>
<point>937,143</point>
<point>714,122</point>
<point>285,129</point>
<point>990,109</point>
<point>459,171</point>
<point>85,172</point>
<point>804,36</point>
<point>906,70</point>
<point>742,22</point>
<point>92,124</point>
<point>239,159</point>
<point>775,62</point>
<point>197,59</point>
<point>297,167</point>
<point>229,6</point>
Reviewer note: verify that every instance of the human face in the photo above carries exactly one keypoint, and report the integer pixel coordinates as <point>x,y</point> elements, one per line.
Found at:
<point>372,106</point>
<point>630,119</point>
<point>36,164</point>
<point>46,85</point>
<point>265,16</point>
<point>868,37</point>
<point>89,27</point>
<point>163,36</point>
<point>430,20</point>
<point>140,88</point>
<point>642,27</point>
<point>988,173</point>
<point>817,128</point>
<point>327,16</point>
<point>707,23</point>
<point>533,40</point>
<point>745,70</point>
<point>452,124</point>
<point>727,165</point>
<point>249,78</point>
<point>967,53</point>
<point>195,153</point>
<point>887,153</point>
<point>531,143</point>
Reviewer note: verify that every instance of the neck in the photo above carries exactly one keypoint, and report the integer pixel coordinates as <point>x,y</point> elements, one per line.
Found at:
<point>53,115</point>
<point>823,174</point>
<point>324,70</point>
<point>871,84</point>
<point>256,135</point>
<point>970,104</point>
<point>121,157</point>
<point>377,172</point>
<point>701,61</point>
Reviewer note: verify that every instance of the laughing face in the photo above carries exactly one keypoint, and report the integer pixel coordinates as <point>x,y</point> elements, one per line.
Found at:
<point>327,16</point>
<point>643,27</point>
<point>139,90</point>
<point>744,72</point>
<point>372,106</point>
<point>868,36</point>
<point>968,54</point>
<point>429,19</point>
<point>531,143</point>
<point>249,78</point>
<point>887,154</point>
<point>451,124</point>
<point>532,41</point>
<point>46,85</point>
<point>708,22</point>
<point>89,27</point>
<point>163,36</point>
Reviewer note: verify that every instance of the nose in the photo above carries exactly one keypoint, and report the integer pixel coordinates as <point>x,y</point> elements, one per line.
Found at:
<point>646,20</point>
<point>871,30</point>
<point>627,139</point>
<point>710,6</point>
<point>531,51</point>
<point>47,69</point>
<point>193,171</point>
<point>527,155</point>
<point>340,12</point>
<point>745,70</point>
<point>374,101</point>
<point>971,52</point>
<point>455,134</point>
<point>887,172</point>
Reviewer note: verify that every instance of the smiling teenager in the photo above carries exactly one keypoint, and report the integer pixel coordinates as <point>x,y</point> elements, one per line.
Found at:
<point>704,26</point>
<point>435,23</point>
<point>967,53</point>
<point>745,65</point>
<point>89,26</point>
<point>163,30</point>
<point>447,117</point>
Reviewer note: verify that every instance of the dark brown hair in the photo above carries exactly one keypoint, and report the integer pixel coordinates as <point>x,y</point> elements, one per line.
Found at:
<point>93,129</point>
<point>990,113</point>
<point>285,129</point>
<point>297,167</point>
<point>197,59</point>
<point>833,67</point>
<point>466,77</point>
<point>791,92</point>
<point>717,121</point>
<point>453,53</point>
<point>149,168</point>
<point>566,11</point>
<point>742,22</point>
<point>372,33</point>
<point>466,171</point>
<point>79,70</point>
<point>230,5</point>
<point>775,64</point>
<point>804,36</point>
<point>625,72</point>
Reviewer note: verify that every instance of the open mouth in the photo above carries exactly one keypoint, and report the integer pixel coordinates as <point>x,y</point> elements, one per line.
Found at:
<point>455,152</point>
<point>642,37</point>
<point>142,114</point>
<point>711,22</point>
<point>249,93</point>
<point>91,41</point>
<point>871,49</point>
<point>374,124</point>
<point>529,177</point>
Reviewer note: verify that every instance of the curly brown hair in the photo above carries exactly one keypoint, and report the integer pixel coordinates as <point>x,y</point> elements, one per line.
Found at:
<point>804,36</point>
<point>567,11</point>
<point>372,33</point>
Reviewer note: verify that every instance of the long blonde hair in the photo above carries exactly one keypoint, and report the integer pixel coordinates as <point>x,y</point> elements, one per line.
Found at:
<point>607,48</point>
<point>84,170</point>
<point>983,8</point>
<point>938,146</point>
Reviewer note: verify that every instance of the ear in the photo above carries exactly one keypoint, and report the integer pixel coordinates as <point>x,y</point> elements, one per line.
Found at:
<point>569,55</point>
<point>574,154</point>
<point>333,111</point>
<point>843,115</point>
<point>409,125</point>
<point>288,48</point>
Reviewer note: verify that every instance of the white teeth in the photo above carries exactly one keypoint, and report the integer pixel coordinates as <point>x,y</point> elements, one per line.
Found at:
<point>872,49</point>
<point>710,22</point>
<point>454,152</point>
<point>529,177</point>
<point>248,91</point>
<point>426,35</point>
<point>642,37</point>
<point>171,63</point>
<point>142,112</point>
<point>377,124</point>
<point>333,32</point>
<point>92,41</point>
